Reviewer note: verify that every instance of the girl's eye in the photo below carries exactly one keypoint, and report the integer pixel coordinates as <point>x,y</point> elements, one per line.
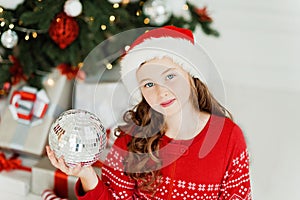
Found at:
<point>149,85</point>
<point>170,76</point>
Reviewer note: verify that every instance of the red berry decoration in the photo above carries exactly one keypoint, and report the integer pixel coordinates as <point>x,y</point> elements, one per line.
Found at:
<point>63,30</point>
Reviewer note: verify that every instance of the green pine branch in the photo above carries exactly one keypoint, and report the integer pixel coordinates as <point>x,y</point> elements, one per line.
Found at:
<point>41,54</point>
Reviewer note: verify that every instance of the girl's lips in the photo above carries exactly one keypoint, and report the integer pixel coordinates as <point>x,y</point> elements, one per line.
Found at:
<point>167,103</point>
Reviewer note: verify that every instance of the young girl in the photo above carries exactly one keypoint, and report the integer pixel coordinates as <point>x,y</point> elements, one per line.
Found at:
<point>178,141</point>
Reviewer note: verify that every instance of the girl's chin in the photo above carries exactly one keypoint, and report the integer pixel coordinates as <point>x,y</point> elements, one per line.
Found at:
<point>169,111</point>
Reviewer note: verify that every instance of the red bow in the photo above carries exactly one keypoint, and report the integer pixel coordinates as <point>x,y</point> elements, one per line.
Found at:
<point>11,163</point>
<point>16,70</point>
<point>68,70</point>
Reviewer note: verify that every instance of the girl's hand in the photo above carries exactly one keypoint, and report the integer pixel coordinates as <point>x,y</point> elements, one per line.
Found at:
<point>59,163</point>
<point>87,175</point>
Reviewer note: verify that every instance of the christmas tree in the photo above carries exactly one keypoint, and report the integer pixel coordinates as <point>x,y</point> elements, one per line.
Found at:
<point>39,35</point>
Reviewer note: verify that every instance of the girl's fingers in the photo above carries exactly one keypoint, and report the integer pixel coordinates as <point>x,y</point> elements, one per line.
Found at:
<point>62,165</point>
<point>52,157</point>
<point>48,150</point>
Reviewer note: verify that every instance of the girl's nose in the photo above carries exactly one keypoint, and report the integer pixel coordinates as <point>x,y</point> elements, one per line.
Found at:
<point>162,91</point>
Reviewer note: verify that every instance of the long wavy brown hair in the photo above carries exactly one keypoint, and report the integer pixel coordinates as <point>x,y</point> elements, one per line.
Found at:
<point>147,128</point>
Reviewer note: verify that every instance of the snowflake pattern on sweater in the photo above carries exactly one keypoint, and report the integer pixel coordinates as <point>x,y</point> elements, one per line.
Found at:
<point>222,175</point>
<point>238,179</point>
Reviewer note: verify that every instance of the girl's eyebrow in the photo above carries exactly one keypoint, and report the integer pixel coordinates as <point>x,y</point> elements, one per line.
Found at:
<point>143,80</point>
<point>170,69</point>
<point>164,72</point>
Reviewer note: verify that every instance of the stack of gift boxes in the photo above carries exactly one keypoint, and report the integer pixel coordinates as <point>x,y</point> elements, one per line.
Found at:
<point>24,130</point>
<point>34,177</point>
<point>26,119</point>
<point>24,127</point>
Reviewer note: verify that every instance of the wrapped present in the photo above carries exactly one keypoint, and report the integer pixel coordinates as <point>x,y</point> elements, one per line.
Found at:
<point>15,174</point>
<point>31,137</point>
<point>47,177</point>
<point>108,100</point>
<point>16,182</point>
<point>28,105</point>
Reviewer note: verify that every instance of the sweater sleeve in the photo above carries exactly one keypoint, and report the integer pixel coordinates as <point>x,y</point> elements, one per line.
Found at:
<point>100,192</point>
<point>236,181</point>
<point>114,184</point>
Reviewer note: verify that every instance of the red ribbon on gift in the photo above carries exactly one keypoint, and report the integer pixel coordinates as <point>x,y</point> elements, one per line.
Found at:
<point>11,163</point>
<point>61,181</point>
<point>23,95</point>
<point>24,116</point>
<point>61,184</point>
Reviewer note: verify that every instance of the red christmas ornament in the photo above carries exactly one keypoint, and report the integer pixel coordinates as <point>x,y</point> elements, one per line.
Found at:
<point>5,89</point>
<point>68,70</point>
<point>63,30</point>
<point>16,70</point>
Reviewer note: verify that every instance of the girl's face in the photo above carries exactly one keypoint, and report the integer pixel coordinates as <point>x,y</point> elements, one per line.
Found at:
<point>164,85</point>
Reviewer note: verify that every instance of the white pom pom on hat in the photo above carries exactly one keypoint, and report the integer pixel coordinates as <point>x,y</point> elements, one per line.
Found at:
<point>168,41</point>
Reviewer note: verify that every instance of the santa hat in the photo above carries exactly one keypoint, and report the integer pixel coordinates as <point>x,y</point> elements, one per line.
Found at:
<point>168,41</point>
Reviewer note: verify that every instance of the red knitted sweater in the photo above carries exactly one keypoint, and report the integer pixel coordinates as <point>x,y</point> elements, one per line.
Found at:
<point>214,165</point>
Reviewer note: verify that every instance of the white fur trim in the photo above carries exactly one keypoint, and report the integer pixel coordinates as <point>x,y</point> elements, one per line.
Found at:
<point>191,57</point>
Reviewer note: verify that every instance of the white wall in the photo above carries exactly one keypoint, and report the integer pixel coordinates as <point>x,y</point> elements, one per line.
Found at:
<point>258,58</point>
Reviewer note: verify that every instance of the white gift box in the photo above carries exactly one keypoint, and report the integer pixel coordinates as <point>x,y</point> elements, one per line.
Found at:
<point>108,100</point>
<point>44,176</point>
<point>31,138</point>
<point>41,104</point>
<point>25,104</point>
<point>17,181</point>
<point>24,138</point>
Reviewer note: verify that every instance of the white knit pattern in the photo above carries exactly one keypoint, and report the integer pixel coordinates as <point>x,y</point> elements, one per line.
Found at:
<point>234,186</point>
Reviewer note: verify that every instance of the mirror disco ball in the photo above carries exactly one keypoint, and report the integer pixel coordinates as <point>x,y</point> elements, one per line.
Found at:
<point>78,136</point>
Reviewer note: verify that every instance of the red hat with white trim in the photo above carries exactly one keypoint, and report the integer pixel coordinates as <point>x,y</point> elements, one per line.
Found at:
<point>168,41</point>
